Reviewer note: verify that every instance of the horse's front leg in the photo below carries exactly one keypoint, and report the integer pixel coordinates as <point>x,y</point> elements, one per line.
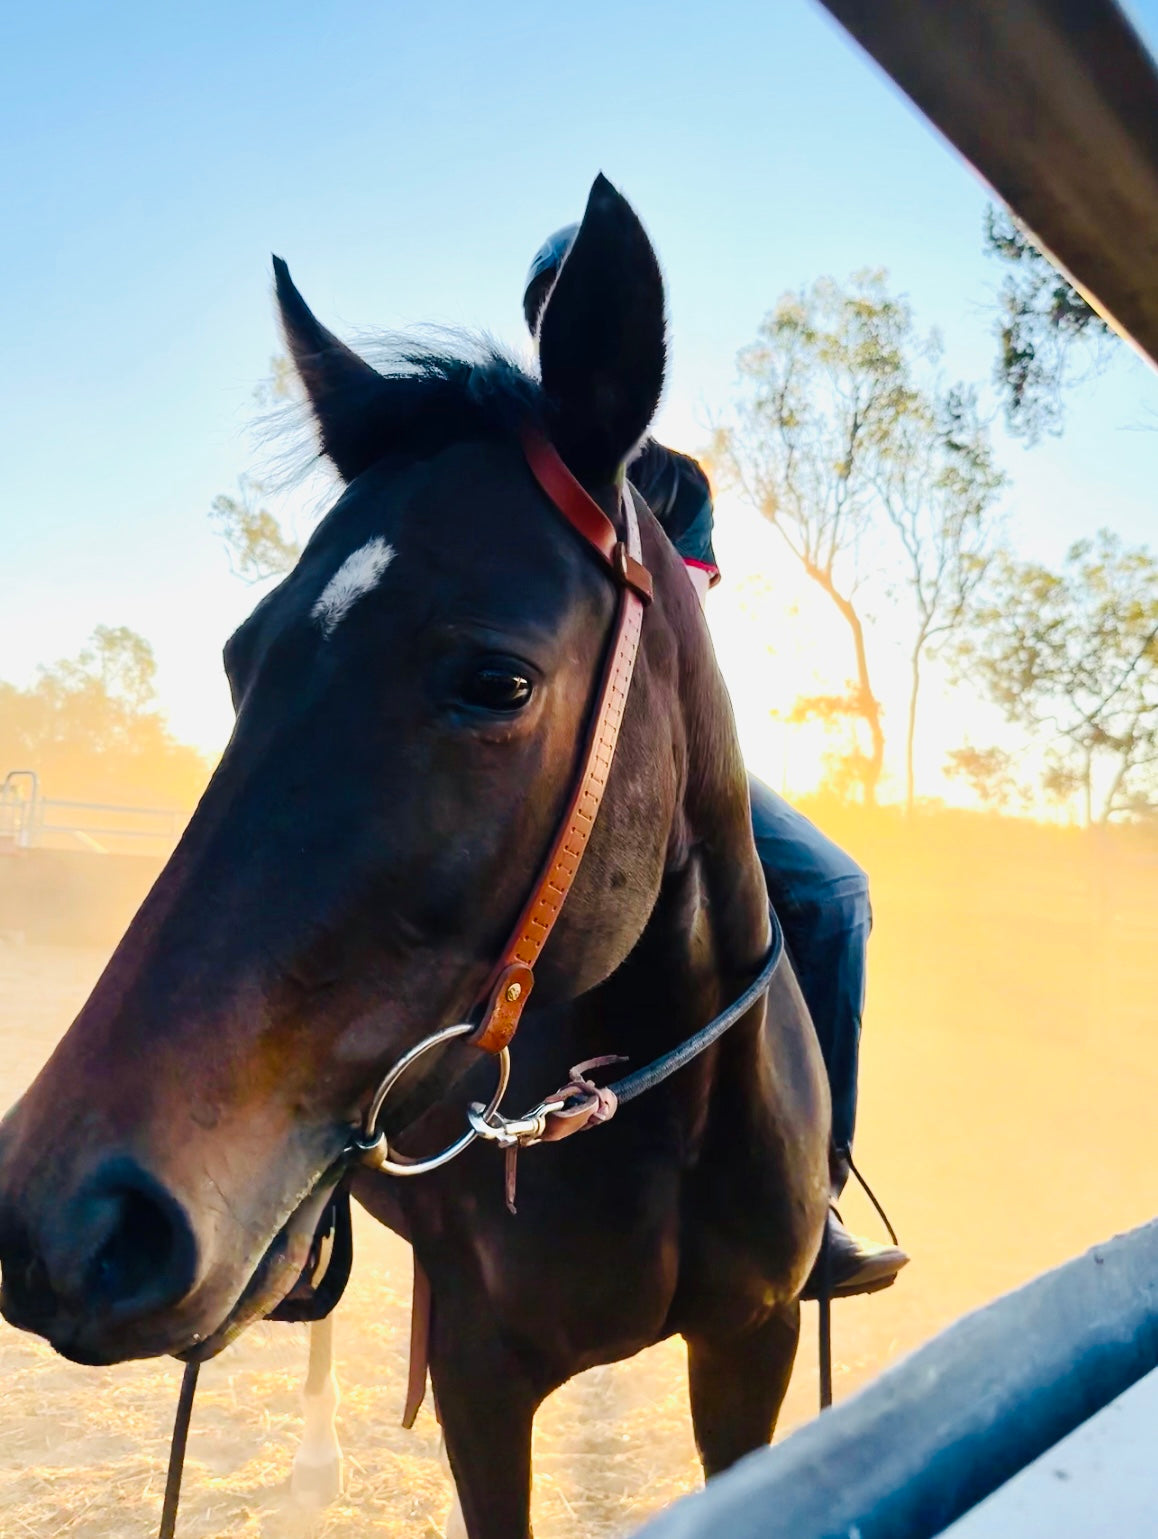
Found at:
<point>316,1479</point>
<point>486,1403</point>
<point>737,1384</point>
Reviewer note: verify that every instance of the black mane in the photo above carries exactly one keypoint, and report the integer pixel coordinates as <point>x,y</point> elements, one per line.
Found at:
<point>438,396</point>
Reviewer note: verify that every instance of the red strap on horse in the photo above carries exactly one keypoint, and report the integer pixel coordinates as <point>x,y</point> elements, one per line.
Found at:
<point>514,976</point>
<point>587,518</point>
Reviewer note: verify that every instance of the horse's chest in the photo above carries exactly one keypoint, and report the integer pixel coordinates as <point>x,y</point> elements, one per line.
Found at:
<point>584,1269</point>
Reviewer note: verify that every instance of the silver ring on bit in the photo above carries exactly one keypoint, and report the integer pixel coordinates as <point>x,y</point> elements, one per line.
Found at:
<point>372,1147</point>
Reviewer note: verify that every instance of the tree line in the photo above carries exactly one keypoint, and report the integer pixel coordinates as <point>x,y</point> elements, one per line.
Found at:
<point>849,444</point>
<point>92,729</point>
<point>879,476</point>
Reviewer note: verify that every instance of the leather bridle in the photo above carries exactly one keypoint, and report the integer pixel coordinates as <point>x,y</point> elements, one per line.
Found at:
<point>512,979</point>
<point>515,976</point>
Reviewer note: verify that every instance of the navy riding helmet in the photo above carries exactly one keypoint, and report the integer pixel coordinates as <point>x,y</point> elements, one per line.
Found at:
<point>544,269</point>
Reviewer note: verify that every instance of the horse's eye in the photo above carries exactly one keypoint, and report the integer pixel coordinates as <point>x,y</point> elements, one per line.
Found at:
<point>497,689</point>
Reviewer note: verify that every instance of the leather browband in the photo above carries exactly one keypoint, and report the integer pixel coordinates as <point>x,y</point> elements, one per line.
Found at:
<point>514,976</point>
<point>585,515</point>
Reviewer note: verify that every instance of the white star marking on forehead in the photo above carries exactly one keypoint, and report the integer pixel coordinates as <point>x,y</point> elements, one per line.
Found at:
<point>358,574</point>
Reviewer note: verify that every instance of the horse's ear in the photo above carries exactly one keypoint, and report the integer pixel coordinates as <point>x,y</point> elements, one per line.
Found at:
<point>348,397</point>
<point>602,338</point>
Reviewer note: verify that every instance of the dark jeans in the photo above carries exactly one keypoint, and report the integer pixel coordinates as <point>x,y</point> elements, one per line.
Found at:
<point>822,899</point>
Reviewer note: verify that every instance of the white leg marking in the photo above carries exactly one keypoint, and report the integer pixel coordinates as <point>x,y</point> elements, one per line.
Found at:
<point>455,1523</point>
<point>316,1480</point>
<point>360,573</point>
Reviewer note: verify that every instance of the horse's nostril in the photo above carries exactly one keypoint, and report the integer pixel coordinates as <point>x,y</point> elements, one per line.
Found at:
<point>138,1245</point>
<point>140,1252</point>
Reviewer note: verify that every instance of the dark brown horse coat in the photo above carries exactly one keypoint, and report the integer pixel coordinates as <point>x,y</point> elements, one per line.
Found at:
<point>409,702</point>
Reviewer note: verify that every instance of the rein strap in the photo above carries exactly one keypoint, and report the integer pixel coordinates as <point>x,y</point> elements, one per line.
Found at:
<point>514,976</point>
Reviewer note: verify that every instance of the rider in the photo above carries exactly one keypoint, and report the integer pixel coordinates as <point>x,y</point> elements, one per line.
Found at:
<point>820,894</point>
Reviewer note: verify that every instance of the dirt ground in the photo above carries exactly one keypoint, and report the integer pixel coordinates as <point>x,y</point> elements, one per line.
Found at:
<point>1009,1085</point>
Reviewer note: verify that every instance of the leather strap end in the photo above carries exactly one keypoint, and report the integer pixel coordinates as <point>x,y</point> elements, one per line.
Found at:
<point>420,1310</point>
<point>508,999</point>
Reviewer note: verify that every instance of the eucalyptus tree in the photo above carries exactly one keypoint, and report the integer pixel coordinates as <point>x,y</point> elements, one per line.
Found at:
<point>938,485</point>
<point>1048,336</point>
<point>257,545</point>
<point>870,472</point>
<point>92,727</point>
<point>1071,657</point>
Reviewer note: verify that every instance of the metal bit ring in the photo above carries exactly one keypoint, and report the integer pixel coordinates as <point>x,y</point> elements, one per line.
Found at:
<point>371,1147</point>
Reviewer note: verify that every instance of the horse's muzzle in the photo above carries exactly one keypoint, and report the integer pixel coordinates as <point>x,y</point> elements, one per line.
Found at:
<point>100,1266</point>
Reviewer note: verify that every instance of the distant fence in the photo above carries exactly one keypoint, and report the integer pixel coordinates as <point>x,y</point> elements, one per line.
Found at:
<point>937,1434</point>
<point>30,821</point>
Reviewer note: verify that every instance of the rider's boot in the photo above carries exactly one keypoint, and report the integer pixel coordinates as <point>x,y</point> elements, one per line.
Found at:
<point>847,1264</point>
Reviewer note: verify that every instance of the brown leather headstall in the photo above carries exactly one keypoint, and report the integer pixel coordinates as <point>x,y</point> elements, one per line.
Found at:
<point>514,977</point>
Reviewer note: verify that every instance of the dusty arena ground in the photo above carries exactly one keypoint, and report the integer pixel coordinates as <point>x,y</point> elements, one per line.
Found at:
<point>1009,1084</point>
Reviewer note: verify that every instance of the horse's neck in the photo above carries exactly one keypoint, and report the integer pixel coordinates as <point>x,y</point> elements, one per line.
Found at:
<point>708,929</point>
<point>712,829</point>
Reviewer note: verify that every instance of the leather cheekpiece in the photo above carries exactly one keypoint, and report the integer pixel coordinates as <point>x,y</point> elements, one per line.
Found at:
<point>513,978</point>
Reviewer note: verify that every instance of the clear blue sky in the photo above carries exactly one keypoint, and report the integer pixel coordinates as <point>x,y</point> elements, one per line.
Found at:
<point>406,160</point>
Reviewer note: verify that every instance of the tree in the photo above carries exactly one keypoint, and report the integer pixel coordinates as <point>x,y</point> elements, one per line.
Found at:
<point>1072,658</point>
<point>257,545</point>
<point>91,728</point>
<point>989,773</point>
<point>938,484</point>
<point>1049,336</point>
<point>117,665</point>
<point>835,439</point>
<point>827,378</point>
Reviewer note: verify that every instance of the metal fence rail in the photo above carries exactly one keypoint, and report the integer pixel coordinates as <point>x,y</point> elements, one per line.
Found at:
<point>933,1436</point>
<point>29,820</point>
<point>1055,103</point>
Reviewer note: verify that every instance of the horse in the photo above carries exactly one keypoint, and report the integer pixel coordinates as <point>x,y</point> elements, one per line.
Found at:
<point>408,704</point>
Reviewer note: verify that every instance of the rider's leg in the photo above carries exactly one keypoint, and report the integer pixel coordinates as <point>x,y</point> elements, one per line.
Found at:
<point>822,899</point>
<point>821,896</point>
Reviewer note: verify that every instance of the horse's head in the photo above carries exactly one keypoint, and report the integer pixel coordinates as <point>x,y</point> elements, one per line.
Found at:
<point>409,706</point>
